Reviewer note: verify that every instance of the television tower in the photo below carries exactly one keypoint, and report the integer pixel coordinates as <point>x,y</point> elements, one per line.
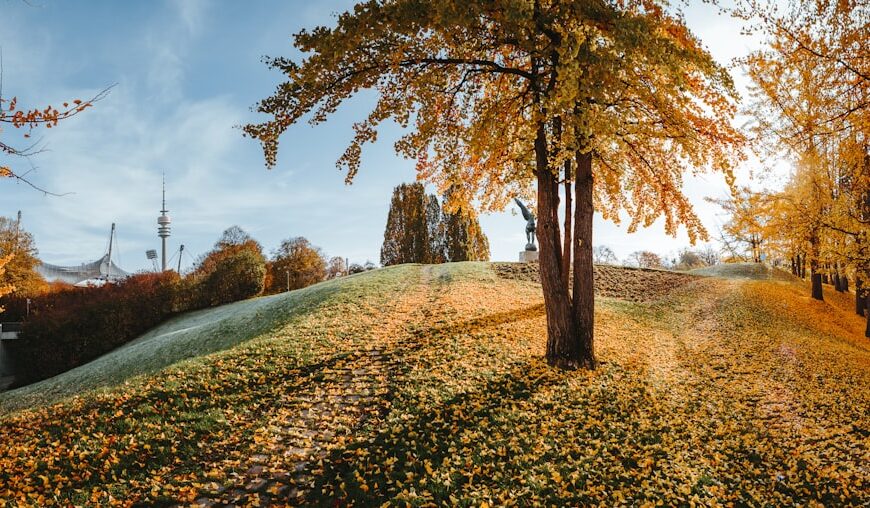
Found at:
<point>163,224</point>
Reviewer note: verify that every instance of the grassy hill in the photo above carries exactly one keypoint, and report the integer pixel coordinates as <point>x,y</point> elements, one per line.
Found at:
<point>419,384</point>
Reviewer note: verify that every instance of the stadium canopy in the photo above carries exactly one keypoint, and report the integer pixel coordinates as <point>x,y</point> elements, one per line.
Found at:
<point>96,272</point>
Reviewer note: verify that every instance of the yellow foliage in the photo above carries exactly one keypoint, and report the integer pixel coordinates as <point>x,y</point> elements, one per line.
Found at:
<point>723,392</point>
<point>7,288</point>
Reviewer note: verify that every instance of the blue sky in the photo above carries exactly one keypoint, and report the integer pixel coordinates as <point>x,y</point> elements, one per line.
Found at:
<point>186,73</point>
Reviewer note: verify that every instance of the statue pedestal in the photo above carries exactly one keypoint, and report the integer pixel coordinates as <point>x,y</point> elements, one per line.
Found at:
<point>527,256</point>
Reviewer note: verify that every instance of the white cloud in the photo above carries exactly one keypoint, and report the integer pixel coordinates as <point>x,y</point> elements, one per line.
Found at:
<point>191,13</point>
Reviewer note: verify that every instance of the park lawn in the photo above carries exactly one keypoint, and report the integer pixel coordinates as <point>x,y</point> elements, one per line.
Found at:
<point>721,391</point>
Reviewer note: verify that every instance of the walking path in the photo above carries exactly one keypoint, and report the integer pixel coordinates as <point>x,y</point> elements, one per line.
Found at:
<point>336,399</point>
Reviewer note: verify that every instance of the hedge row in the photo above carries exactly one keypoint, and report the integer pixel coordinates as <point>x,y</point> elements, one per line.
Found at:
<point>71,327</point>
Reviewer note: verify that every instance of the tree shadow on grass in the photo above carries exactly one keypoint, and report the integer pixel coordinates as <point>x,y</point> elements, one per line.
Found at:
<point>404,448</point>
<point>479,323</point>
<point>370,472</point>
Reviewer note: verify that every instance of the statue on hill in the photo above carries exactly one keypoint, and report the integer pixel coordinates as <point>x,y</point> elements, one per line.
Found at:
<point>530,226</point>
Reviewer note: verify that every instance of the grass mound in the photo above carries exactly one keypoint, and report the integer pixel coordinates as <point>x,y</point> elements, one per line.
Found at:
<point>425,384</point>
<point>753,271</point>
<point>626,283</point>
<point>187,336</point>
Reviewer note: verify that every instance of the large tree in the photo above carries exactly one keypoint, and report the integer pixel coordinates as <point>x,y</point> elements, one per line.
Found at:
<point>463,238</point>
<point>414,232</point>
<point>296,264</point>
<point>21,269</point>
<point>614,100</point>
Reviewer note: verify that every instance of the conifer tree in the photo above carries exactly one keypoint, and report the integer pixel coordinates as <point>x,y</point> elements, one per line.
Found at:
<point>465,240</point>
<point>419,231</point>
<point>408,237</point>
<point>438,240</point>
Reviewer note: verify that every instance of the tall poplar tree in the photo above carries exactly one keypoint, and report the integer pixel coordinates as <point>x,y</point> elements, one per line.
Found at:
<point>464,240</point>
<point>615,100</point>
<point>412,233</point>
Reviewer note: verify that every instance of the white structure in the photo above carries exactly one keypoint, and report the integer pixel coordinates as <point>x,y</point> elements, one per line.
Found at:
<point>163,223</point>
<point>94,273</point>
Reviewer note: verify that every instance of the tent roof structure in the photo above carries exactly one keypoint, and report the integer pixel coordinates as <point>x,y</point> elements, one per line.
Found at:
<point>101,269</point>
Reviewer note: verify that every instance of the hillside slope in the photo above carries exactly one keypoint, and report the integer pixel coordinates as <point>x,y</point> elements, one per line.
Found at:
<point>426,384</point>
<point>189,335</point>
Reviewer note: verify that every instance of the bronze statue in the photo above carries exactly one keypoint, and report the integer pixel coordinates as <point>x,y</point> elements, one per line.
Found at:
<point>530,225</point>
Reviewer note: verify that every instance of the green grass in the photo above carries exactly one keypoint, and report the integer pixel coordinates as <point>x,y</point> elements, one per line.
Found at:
<point>752,271</point>
<point>189,335</point>
<point>738,390</point>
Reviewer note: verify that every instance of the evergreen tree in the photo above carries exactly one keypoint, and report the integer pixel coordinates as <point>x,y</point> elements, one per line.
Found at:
<point>435,226</point>
<point>464,240</point>
<point>419,231</point>
<point>408,237</point>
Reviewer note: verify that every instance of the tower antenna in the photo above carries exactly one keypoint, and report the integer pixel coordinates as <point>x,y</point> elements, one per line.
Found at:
<point>163,223</point>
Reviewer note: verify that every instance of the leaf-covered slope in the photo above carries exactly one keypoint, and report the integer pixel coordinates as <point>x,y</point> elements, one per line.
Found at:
<point>426,384</point>
<point>186,336</point>
<point>753,271</point>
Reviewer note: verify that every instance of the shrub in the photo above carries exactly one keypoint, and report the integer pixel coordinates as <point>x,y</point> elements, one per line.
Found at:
<point>72,326</point>
<point>239,275</point>
<point>68,328</point>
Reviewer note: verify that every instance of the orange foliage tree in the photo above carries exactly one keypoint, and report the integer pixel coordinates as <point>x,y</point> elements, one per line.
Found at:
<point>234,270</point>
<point>812,105</point>
<point>5,289</point>
<point>613,101</point>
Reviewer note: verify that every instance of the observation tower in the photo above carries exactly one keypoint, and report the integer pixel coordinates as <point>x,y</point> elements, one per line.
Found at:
<point>163,228</point>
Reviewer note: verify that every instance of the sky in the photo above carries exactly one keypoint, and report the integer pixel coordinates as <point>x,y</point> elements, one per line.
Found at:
<point>184,76</point>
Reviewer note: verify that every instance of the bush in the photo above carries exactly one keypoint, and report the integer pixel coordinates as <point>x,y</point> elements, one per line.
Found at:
<point>234,277</point>
<point>72,326</point>
<point>68,328</point>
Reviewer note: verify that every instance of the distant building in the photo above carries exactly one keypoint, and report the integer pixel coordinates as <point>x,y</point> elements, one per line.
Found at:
<point>93,273</point>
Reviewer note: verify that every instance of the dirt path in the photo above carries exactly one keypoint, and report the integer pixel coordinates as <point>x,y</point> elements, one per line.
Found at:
<point>334,401</point>
<point>761,387</point>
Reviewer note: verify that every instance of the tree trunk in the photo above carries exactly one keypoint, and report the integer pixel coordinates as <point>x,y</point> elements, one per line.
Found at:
<point>561,338</point>
<point>803,266</point>
<point>816,280</point>
<point>583,292</point>
<point>839,277</point>
<point>860,300</point>
<point>815,276</point>
<point>566,240</point>
<point>566,246</point>
<point>867,305</point>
